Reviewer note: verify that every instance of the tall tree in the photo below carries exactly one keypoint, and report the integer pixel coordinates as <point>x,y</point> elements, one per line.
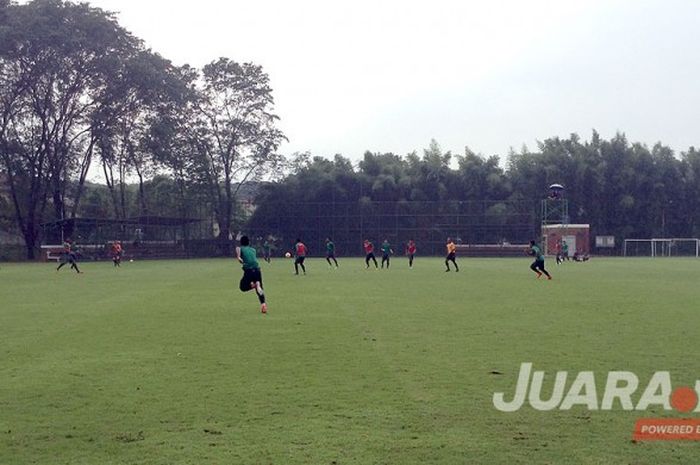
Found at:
<point>233,132</point>
<point>57,59</point>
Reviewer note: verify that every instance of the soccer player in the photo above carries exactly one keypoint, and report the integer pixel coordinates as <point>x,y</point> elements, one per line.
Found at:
<point>300,252</point>
<point>538,265</point>
<point>330,252</point>
<point>252,278</point>
<point>267,250</point>
<point>565,250</point>
<point>451,255</point>
<point>410,251</point>
<point>560,258</point>
<point>386,253</point>
<point>369,253</point>
<point>69,256</point>
<point>117,253</point>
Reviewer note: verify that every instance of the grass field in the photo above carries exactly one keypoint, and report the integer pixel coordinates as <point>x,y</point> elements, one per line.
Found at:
<point>167,362</point>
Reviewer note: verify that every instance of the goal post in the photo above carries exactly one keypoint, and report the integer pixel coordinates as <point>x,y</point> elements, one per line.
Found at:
<point>665,247</point>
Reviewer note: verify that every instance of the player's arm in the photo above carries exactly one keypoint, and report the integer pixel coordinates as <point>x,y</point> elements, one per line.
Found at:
<point>238,255</point>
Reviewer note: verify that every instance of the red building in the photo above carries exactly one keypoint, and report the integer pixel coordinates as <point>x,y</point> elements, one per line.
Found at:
<point>576,236</point>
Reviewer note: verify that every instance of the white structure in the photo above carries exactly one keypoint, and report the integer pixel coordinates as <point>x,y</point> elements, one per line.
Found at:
<point>669,247</point>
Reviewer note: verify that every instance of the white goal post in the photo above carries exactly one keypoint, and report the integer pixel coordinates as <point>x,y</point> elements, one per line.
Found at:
<point>667,247</point>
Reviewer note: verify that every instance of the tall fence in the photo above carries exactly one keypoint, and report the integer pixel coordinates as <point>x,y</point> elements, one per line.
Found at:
<point>428,223</point>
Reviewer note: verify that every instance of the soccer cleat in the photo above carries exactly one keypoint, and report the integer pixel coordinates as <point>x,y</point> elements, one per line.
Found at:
<point>549,278</point>
<point>539,275</point>
<point>263,308</point>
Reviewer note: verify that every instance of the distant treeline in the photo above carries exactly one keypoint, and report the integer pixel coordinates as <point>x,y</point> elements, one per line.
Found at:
<point>78,93</point>
<point>621,188</point>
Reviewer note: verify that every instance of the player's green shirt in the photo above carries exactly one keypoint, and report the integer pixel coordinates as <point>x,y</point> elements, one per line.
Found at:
<point>248,255</point>
<point>565,247</point>
<point>537,252</point>
<point>330,247</point>
<point>386,248</point>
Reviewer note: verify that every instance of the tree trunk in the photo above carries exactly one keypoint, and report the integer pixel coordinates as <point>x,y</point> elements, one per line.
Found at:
<point>30,237</point>
<point>142,195</point>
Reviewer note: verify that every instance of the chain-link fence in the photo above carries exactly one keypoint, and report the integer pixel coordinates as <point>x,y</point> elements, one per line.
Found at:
<point>427,223</point>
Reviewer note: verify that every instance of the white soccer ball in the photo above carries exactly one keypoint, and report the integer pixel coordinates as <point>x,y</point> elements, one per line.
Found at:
<point>131,261</point>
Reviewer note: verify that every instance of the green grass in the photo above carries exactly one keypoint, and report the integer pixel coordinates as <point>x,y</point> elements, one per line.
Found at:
<point>168,362</point>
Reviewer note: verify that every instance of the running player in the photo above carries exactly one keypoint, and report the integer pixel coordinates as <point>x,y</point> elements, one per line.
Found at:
<point>538,265</point>
<point>451,255</point>
<point>300,252</point>
<point>117,253</point>
<point>69,256</point>
<point>252,278</point>
<point>330,252</point>
<point>410,251</point>
<point>369,253</point>
<point>386,253</point>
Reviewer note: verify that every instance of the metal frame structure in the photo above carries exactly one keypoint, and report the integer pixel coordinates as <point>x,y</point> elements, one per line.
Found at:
<point>667,245</point>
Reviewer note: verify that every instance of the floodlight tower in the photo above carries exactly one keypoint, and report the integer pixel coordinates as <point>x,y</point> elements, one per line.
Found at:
<point>555,209</point>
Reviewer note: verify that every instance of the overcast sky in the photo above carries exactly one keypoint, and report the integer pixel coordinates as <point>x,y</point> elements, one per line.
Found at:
<point>388,76</point>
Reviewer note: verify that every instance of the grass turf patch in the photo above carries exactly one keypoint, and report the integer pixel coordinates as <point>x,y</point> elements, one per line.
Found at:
<point>168,362</point>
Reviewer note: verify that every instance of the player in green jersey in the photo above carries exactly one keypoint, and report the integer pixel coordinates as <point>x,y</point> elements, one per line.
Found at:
<point>538,265</point>
<point>330,252</point>
<point>386,253</point>
<point>252,278</point>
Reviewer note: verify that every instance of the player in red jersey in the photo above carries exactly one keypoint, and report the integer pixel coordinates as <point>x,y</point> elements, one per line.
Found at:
<point>300,252</point>
<point>410,251</point>
<point>117,253</point>
<point>369,253</point>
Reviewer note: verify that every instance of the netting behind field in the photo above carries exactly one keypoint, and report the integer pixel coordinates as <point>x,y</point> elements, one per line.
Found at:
<point>428,223</point>
<point>662,247</point>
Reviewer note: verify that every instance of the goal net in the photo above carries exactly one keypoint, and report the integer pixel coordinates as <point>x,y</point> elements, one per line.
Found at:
<point>672,247</point>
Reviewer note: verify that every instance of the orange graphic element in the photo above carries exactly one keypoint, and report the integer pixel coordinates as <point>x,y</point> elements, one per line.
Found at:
<point>666,429</point>
<point>684,399</point>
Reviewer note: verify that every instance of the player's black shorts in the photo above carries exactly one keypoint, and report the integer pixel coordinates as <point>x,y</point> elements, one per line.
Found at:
<point>537,265</point>
<point>250,276</point>
<point>330,255</point>
<point>300,260</point>
<point>451,256</point>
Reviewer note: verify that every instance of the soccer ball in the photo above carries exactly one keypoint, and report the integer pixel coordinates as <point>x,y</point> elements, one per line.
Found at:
<point>288,255</point>
<point>131,261</point>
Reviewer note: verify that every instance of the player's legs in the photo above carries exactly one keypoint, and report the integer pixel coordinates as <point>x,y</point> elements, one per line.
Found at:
<point>252,280</point>
<point>385,259</point>
<point>374,259</point>
<point>540,266</point>
<point>451,258</point>
<point>301,264</point>
<point>410,261</point>
<point>258,286</point>
<point>534,267</point>
<point>334,261</point>
<point>74,264</point>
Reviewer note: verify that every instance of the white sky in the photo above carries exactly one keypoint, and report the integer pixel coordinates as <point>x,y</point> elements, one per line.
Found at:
<point>389,75</point>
